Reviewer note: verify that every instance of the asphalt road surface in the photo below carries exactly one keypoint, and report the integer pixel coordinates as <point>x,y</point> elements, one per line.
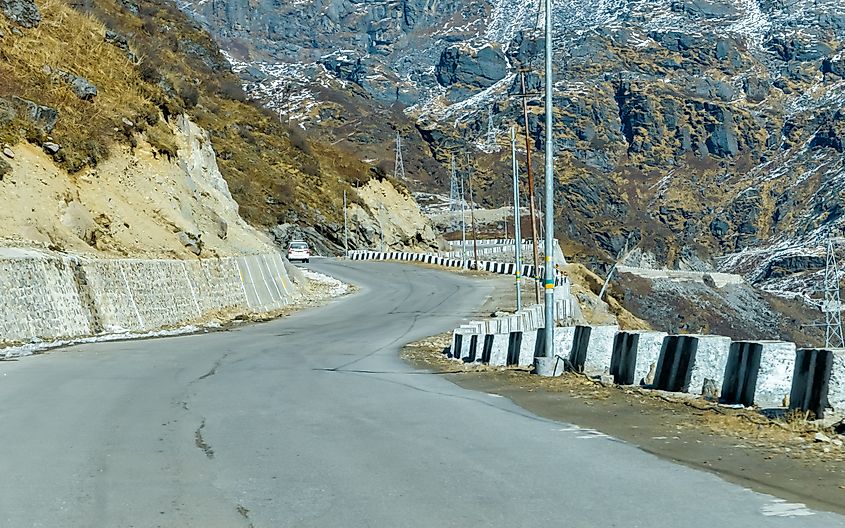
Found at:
<point>314,421</point>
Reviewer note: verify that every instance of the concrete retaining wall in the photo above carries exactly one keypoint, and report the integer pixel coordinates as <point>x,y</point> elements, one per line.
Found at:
<point>45,296</point>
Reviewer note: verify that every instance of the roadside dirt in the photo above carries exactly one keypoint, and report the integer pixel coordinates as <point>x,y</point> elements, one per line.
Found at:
<point>780,457</point>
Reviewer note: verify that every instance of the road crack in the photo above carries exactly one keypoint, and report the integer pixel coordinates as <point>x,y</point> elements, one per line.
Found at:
<point>201,443</point>
<point>241,509</point>
<point>214,367</point>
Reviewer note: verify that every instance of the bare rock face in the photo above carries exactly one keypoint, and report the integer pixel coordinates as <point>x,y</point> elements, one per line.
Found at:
<point>22,12</point>
<point>476,68</point>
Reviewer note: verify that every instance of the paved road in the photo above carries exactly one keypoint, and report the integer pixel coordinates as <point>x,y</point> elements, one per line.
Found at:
<point>313,421</point>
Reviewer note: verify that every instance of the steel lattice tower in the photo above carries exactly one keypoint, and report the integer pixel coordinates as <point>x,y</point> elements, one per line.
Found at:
<point>399,164</point>
<point>832,307</point>
<point>491,144</point>
<point>454,195</point>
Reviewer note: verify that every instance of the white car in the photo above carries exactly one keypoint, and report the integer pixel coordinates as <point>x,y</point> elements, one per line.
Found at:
<point>299,250</point>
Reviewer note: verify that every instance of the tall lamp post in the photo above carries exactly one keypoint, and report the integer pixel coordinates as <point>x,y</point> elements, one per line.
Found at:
<point>549,220</point>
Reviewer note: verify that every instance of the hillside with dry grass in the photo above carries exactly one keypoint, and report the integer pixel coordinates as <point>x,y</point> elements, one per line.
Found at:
<point>103,78</point>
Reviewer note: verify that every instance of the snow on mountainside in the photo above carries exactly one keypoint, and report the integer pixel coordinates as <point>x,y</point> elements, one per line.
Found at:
<point>710,132</point>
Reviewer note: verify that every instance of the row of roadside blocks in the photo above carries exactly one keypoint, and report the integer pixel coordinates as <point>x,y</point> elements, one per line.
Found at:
<point>489,242</point>
<point>762,373</point>
<point>504,268</point>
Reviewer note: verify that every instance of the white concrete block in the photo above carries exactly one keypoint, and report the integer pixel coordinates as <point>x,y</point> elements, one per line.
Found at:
<point>526,350</point>
<point>564,336</point>
<point>711,357</point>
<point>499,351</point>
<point>774,379</point>
<point>836,386</point>
<point>648,352</point>
<point>600,349</point>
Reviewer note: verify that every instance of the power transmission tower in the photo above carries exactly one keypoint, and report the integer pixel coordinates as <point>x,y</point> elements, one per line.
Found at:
<point>399,164</point>
<point>832,306</point>
<point>490,144</point>
<point>454,196</point>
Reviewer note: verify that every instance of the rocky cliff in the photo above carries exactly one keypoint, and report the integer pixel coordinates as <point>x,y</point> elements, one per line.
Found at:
<point>709,133</point>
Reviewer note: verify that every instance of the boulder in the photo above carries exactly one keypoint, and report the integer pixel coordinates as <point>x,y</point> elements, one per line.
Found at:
<point>756,89</point>
<point>22,12</point>
<point>120,42</point>
<point>209,57</point>
<point>476,68</point>
<point>191,241</point>
<point>639,124</point>
<point>44,117</point>
<point>784,266</point>
<point>523,49</point>
<point>82,87</point>
<point>51,148</point>
<point>831,134</point>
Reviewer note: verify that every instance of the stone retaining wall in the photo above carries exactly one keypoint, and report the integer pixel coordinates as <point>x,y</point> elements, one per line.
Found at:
<point>48,296</point>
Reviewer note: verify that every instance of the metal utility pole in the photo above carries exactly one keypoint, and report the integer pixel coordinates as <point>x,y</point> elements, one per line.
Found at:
<point>345,228</point>
<point>517,231</point>
<point>832,306</point>
<point>399,164</point>
<point>531,201</point>
<point>472,215</point>
<point>463,222</point>
<point>381,225</point>
<point>550,227</point>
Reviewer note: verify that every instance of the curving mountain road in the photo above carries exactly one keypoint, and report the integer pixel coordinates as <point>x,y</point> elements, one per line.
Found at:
<point>314,421</point>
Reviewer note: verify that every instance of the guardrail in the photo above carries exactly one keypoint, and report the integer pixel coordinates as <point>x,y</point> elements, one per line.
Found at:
<point>503,268</point>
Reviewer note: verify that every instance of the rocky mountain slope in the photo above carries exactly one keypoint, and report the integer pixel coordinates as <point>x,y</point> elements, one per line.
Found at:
<point>709,132</point>
<point>124,132</point>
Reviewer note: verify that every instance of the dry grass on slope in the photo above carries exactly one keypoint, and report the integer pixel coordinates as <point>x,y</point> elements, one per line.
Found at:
<point>70,41</point>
